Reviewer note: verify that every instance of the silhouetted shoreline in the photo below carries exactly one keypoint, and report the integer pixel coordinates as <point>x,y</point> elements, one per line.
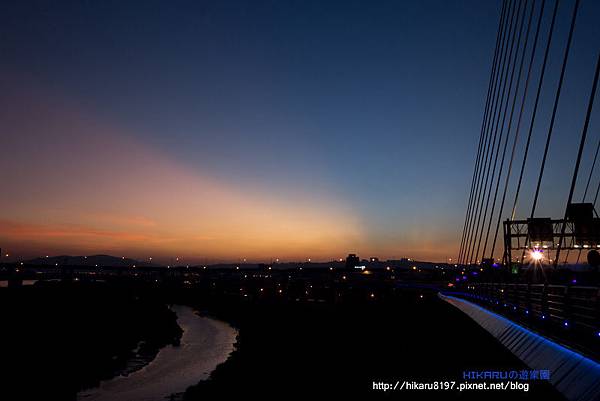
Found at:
<point>310,346</point>
<point>294,348</point>
<point>205,343</point>
<point>66,337</point>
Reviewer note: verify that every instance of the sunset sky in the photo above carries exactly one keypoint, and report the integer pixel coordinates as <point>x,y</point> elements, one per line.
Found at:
<point>220,130</point>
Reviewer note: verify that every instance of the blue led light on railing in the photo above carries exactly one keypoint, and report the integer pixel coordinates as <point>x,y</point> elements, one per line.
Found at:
<point>514,308</point>
<point>555,348</point>
<point>526,312</point>
<point>543,316</point>
<point>566,324</point>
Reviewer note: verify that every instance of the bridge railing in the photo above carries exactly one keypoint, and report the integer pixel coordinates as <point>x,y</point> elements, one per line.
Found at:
<point>572,307</point>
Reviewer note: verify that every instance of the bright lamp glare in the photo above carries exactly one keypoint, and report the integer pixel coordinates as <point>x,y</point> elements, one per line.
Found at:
<point>536,255</point>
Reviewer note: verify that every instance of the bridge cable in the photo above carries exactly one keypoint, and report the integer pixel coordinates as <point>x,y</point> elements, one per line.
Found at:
<point>500,78</point>
<point>494,150</point>
<point>493,105</point>
<point>580,151</point>
<point>587,185</point>
<point>510,120</point>
<point>551,127</point>
<point>496,68</point>
<point>519,120</point>
<point>535,108</point>
<point>501,136</point>
<point>596,196</point>
<point>555,106</point>
<point>489,101</point>
<point>482,184</point>
<point>481,136</point>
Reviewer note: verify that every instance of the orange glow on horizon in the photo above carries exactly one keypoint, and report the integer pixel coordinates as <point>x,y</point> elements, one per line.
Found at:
<point>79,185</point>
<point>87,187</point>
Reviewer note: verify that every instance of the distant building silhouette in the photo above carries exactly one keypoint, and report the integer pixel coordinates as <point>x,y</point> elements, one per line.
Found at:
<point>352,261</point>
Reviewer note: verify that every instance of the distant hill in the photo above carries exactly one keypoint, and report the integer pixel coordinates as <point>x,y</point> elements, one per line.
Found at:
<point>91,261</point>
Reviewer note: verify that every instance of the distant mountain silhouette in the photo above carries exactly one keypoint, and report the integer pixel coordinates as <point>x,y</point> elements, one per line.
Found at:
<point>92,261</point>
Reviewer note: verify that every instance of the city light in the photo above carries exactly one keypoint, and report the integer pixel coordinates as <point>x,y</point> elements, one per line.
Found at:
<point>536,255</point>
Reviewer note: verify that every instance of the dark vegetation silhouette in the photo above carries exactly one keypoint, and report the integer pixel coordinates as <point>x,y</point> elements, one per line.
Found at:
<point>61,337</point>
<point>64,336</point>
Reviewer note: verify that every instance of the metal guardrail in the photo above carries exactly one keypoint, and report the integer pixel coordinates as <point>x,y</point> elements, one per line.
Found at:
<point>570,306</point>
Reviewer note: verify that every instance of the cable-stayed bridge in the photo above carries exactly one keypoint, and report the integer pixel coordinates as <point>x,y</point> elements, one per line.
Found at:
<point>530,67</point>
<point>520,258</point>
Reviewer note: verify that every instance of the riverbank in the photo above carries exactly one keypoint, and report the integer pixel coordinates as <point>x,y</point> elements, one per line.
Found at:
<point>60,338</point>
<point>205,343</point>
<point>290,348</point>
<point>66,335</point>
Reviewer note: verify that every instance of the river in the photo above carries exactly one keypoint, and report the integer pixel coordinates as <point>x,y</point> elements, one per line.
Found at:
<point>205,343</point>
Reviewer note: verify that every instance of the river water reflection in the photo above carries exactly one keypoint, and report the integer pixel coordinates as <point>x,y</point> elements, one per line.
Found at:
<point>205,343</point>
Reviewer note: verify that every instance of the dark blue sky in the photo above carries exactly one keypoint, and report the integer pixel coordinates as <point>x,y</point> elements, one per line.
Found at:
<point>374,106</point>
